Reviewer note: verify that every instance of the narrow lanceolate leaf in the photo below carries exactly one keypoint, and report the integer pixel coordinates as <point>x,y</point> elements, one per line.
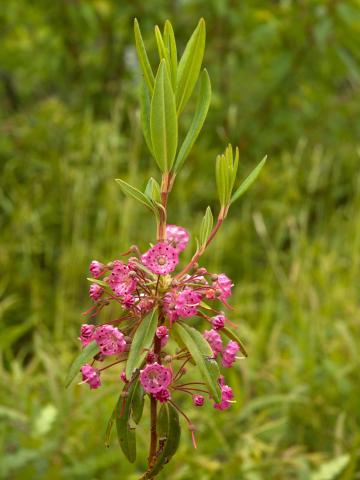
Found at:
<point>169,432</point>
<point>163,120</point>
<point>202,355</point>
<point>189,66</point>
<point>99,282</point>
<point>142,340</point>
<point>109,428</point>
<point>220,180</point>
<point>202,107</point>
<point>86,354</point>
<point>170,44</point>
<point>206,226</point>
<point>138,403</point>
<point>143,58</point>
<point>145,115</point>
<point>152,190</point>
<point>163,52</point>
<point>248,181</point>
<point>233,336</point>
<point>133,192</point>
<point>123,409</point>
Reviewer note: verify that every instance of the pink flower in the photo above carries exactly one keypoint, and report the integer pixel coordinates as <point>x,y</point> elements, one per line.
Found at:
<point>162,395</point>
<point>95,291</point>
<point>226,395</point>
<point>187,302</point>
<point>229,354</point>
<point>96,268</point>
<point>155,377</point>
<point>224,284</point>
<point>198,400</point>
<point>91,376</point>
<point>218,322</point>
<point>123,377</point>
<point>128,301</point>
<point>86,334</point>
<point>169,305</point>
<point>214,341</point>
<point>110,340</point>
<point>177,237</point>
<point>122,280</point>
<point>163,334</point>
<point>183,304</point>
<point>161,259</point>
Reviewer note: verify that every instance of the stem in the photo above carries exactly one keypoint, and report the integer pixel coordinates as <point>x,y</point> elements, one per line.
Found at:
<point>166,185</point>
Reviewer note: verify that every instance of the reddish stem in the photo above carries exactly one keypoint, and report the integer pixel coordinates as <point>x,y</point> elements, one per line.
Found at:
<point>198,254</point>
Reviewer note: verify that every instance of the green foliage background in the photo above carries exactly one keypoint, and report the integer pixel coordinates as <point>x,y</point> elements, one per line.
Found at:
<point>286,78</point>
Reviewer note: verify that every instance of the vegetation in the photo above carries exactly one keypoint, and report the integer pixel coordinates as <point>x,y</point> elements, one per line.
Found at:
<point>285,80</point>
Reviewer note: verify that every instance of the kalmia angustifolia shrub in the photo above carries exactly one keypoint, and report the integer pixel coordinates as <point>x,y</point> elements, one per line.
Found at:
<point>170,318</point>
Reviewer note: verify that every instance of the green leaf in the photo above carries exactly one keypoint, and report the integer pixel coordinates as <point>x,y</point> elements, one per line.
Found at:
<point>109,427</point>
<point>138,403</point>
<point>99,282</point>
<point>206,226</point>
<point>163,52</point>
<point>233,336</point>
<point>201,110</point>
<point>126,433</point>
<point>189,66</point>
<point>152,190</point>
<point>170,43</point>
<point>133,192</point>
<point>143,339</point>
<point>86,354</point>
<point>145,115</point>
<point>248,181</point>
<point>169,433</point>
<point>143,58</point>
<point>220,179</point>
<point>202,354</point>
<point>163,120</point>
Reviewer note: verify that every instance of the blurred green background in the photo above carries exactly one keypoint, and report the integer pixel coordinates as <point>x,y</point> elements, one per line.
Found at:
<point>286,79</point>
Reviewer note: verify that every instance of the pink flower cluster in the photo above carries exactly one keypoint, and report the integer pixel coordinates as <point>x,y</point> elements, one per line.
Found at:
<point>138,286</point>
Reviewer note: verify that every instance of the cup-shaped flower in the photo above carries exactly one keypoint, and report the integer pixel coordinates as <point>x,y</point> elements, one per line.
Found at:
<point>91,376</point>
<point>229,354</point>
<point>155,377</point>
<point>121,280</point>
<point>187,302</point>
<point>86,334</point>
<point>96,268</point>
<point>95,291</point>
<point>110,340</point>
<point>218,322</point>
<point>224,284</point>
<point>161,259</point>
<point>177,237</point>
<point>226,396</point>
<point>214,340</point>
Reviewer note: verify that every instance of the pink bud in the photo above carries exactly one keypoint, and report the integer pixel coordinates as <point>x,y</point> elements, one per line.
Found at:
<point>198,400</point>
